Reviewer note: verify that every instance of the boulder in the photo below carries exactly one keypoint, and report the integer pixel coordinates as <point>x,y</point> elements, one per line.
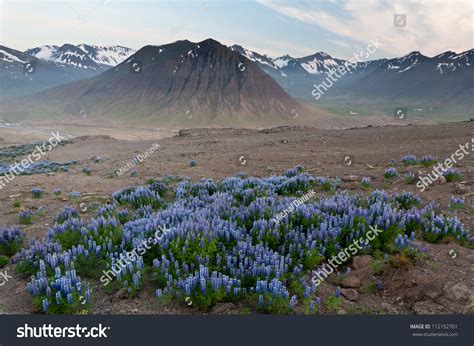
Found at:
<point>351,282</point>
<point>350,178</point>
<point>458,292</point>
<point>460,189</point>
<point>350,293</point>
<point>427,307</point>
<point>360,262</point>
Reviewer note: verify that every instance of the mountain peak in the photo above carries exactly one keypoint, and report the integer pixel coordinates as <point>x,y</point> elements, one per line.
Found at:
<point>211,43</point>
<point>323,54</point>
<point>414,54</point>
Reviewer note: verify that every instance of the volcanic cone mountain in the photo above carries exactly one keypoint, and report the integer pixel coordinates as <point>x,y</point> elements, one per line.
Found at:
<point>203,82</point>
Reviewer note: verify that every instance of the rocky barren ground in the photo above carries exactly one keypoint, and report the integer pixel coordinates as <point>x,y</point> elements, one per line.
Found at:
<point>440,282</point>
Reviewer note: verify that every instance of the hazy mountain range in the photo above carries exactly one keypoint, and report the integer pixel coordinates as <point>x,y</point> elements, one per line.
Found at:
<point>209,78</point>
<point>36,69</point>
<point>445,77</point>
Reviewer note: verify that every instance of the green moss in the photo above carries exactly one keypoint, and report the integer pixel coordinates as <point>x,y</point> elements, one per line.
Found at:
<point>3,261</point>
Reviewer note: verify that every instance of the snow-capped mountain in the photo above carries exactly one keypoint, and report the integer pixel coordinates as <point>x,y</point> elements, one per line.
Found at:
<point>449,73</point>
<point>320,62</point>
<point>253,56</point>
<point>447,77</point>
<point>66,54</point>
<point>297,75</point>
<point>450,61</point>
<point>405,63</point>
<point>442,63</point>
<point>315,64</point>
<point>23,74</point>
<point>84,56</point>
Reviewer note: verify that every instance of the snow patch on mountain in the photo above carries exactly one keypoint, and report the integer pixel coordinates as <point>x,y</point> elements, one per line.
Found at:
<point>107,55</point>
<point>5,56</point>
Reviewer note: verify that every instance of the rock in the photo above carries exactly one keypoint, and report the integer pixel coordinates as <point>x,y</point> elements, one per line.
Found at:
<point>121,294</point>
<point>460,189</point>
<point>427,307</point>
<point>468,309</point>
<point>351,282</point>
<point>349,178</point>
<point>432,292</point>
<point>222,309</point>
<point>369,166</point>
<point>458,292</point>
<point>350,294</point>
<point>360,262</point>
<point>389,309</point>
<point>413,294</point>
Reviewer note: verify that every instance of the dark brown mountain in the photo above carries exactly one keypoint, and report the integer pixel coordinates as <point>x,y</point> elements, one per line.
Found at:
<point>203,82</point>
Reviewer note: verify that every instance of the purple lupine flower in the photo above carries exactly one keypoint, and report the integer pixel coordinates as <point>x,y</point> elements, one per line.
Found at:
<point>37,192</point>
<point>293,301</point>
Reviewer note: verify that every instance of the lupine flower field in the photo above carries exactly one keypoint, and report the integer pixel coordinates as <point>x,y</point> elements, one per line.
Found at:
<point>84,240</point>
<point>220,244</point>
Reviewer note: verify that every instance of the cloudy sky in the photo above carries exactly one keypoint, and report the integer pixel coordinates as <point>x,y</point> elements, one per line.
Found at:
<point>298,28</point>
